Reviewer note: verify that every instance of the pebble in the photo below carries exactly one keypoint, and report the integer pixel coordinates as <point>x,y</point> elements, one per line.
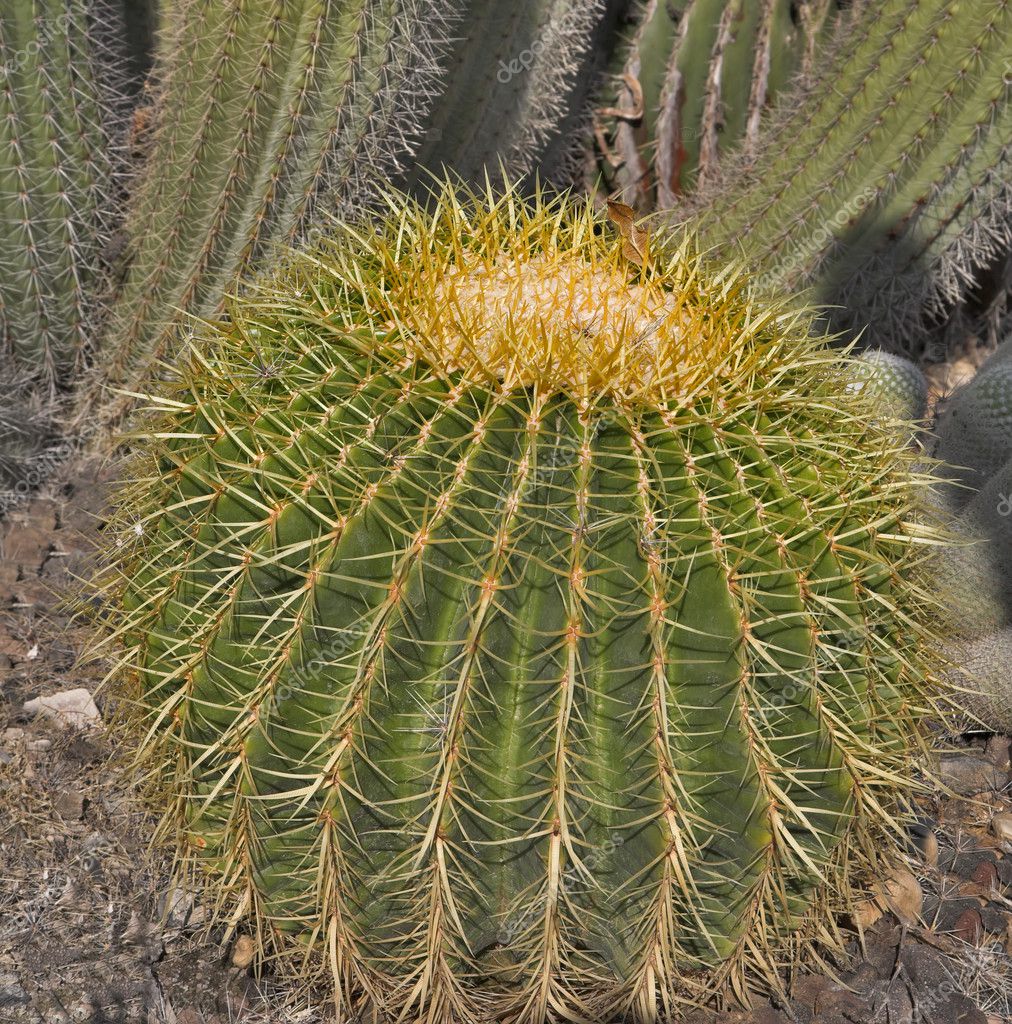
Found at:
<point>243,951</point>
<point>75,708</point>
<point>1001,826</point>
<point>999,751</point>
<point>903,896</point>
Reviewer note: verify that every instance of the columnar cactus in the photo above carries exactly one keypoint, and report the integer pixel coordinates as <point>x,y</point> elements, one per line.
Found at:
<point>698,77</point>
<point>261,111</point>
<point>524,622</point>
<point>510,79</point>
<point>57,191</point>
<point>271,117</point>
<point>887,187</point>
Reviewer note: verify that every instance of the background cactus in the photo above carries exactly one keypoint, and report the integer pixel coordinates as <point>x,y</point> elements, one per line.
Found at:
<point>525,622</point>
<point>974,438</point>
<point>269,118</point>
<point>886,189</point>
<point>894,383</point>
<point>514,74</point>
<point>702,74</point>
<point>59,114</point>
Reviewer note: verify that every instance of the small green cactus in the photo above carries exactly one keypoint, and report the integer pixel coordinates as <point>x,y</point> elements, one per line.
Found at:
<point>58,110</point>
<point>523,622</point>
<point>975,430</point>
<point>974,438</point>
<point>697,78</point>
<point>898,385</point>
<point>886,187</point>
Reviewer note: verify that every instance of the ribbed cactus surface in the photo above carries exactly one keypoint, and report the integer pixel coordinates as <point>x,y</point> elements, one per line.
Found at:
<point>270,117</point>
<point>56,179</point>
<point>887,187</point>
<point>697,78</point>
<point>263,112</point>
<point>521,622</point>
<point>512,75</point>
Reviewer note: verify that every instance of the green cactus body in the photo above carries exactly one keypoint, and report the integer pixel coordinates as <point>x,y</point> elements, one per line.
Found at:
<point>529,631</point>
<point>707,71</point>
<point>56,181</point>
<point>898,385</point>
<point>886,187</point>
<point>263,111</point>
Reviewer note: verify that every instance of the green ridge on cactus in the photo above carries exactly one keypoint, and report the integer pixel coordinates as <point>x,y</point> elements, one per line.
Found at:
<point>886,187</point>
<point>704,73</point>
<point>56,180</point>
<point>524,630</point>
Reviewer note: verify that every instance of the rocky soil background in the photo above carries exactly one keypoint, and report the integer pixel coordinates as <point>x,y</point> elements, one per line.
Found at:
<point>91,930</point>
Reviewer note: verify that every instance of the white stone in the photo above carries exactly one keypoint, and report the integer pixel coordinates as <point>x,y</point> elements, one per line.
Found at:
<point>75,708</point>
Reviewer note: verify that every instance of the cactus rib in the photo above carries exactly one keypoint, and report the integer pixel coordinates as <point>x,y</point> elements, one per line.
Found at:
<point>707,70</point>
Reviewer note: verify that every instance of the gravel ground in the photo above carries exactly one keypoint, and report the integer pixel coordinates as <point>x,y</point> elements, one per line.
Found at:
<point>91,931</point>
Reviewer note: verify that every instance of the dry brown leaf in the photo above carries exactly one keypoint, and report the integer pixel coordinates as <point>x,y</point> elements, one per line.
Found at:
<point>635,240</point>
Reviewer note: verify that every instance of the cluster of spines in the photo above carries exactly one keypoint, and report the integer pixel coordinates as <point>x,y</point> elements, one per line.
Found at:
<point>350,568</point>
<point>58,112</point>
<point>885,187</point>
<point>698,78</point>
<point>262,112</point>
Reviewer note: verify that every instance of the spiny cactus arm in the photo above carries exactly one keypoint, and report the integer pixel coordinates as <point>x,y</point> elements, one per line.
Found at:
<point>193,155</point>
<point>707,71</point>
<point>966,183</point>
<point>873,184</point>
<point>507,85</point>
<point>276,107</point>
<point>56,178</point>
<point>869,45</point>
